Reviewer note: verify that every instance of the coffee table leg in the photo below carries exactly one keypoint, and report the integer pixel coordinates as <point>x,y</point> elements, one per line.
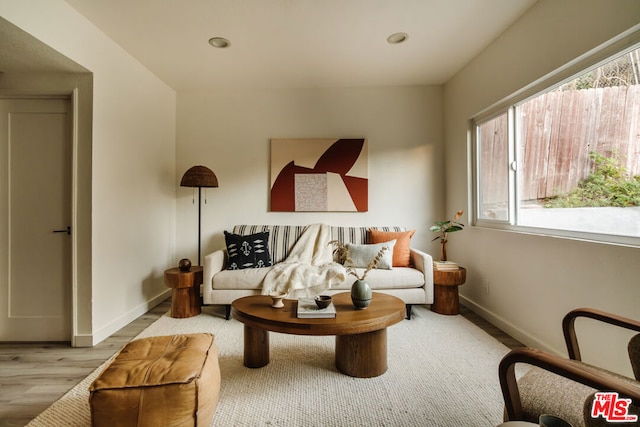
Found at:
<point>362,355</point>
<point>256,347</point>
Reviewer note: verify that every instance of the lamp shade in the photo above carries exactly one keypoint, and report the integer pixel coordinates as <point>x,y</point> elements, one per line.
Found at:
<point>199,176</point>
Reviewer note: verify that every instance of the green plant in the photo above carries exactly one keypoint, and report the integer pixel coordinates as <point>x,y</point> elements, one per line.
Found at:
<point>608,185</point>
<point>446,227</point>
<point>342,254</point>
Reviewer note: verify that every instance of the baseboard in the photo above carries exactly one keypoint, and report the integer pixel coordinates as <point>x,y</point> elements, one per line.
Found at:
<point>120,322</point>
<point>509,328</point>
<point>84,340</point>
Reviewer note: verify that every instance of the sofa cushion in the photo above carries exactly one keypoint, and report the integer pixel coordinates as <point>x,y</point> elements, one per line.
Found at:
<point>358,235</point>
<point>250,278</point>
<point>362,255</point>
<point>402,249</point>
<point>248,251</point>
<point>281,237</point>
<point>399,278</point>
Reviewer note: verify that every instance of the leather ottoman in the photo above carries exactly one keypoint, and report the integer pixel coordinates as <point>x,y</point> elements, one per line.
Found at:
<point>159,381</point>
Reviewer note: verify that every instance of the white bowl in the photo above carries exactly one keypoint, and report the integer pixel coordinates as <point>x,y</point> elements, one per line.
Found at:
<point>277,298</point>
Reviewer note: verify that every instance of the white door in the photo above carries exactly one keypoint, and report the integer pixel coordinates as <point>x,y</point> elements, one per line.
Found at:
<point>35,211</point>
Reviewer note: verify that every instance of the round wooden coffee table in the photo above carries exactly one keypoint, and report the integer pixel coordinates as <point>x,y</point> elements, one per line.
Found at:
<point>361,335</point>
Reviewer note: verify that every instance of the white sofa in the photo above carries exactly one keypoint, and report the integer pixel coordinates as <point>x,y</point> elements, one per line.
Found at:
<point>414,284</point>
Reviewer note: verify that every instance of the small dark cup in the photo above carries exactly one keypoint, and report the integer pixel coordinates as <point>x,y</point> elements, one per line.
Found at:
<point>323,301</point>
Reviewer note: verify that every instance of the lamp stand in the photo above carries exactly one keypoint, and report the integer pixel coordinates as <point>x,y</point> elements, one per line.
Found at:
<point>199,214</point>
<point>199,176</point>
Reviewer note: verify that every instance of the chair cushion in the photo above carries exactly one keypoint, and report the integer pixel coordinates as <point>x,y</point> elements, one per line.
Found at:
<point>543,392</point>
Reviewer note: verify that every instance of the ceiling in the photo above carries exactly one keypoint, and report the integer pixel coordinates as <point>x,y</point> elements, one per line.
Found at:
<point>23,53</point>
<point>302,43</point>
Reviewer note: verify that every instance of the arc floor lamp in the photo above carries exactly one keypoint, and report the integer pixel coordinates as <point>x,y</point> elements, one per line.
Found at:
<point>199,176</point>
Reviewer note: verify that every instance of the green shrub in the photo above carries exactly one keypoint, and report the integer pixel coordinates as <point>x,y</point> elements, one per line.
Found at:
<point>608,185</point>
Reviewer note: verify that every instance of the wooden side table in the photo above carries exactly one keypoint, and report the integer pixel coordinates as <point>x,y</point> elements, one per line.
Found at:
<point>445,284</point>
<point>185,299</point>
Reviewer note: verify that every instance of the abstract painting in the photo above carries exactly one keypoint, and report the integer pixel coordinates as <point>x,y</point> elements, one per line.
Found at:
<point>319,175</point>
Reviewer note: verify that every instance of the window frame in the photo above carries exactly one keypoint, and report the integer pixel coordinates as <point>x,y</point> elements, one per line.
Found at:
<point>620,45</point>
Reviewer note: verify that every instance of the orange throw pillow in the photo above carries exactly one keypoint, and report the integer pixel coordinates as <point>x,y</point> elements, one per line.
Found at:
<point>401,251</point>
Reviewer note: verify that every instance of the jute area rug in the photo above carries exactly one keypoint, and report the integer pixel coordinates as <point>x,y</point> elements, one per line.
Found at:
<point>443,371</point>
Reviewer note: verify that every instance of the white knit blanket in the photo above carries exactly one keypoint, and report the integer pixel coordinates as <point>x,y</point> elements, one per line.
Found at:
<point>309,269</point>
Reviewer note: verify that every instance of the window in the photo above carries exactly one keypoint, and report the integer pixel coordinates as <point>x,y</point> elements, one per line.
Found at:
<point>563,157</point>
<point>493,146</point>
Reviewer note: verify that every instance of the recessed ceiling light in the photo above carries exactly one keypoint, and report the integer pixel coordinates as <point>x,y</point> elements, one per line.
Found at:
<point>396,38</point>
<point>219,42</point>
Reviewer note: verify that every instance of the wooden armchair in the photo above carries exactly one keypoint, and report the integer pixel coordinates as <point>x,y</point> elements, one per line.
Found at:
<point>566,387</point>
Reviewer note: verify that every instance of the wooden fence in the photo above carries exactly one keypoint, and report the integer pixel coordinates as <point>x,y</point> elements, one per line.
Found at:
<point>558,131</point>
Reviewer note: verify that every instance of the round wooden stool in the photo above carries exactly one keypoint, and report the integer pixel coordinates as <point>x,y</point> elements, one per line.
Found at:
<point>185,299</point>
<point>445,290</point>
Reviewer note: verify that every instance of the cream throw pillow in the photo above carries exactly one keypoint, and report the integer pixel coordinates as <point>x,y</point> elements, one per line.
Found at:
<point>361,255</point>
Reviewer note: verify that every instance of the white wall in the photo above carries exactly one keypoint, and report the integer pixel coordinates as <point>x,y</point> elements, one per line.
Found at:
<point>534,280</point>
<point>133,166</point>
<point>229,131</point>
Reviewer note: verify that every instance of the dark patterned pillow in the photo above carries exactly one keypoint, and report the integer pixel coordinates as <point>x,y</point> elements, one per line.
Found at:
<point>251,251</point>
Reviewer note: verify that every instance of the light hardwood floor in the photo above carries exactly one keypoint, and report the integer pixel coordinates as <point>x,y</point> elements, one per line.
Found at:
<point>34,375</point>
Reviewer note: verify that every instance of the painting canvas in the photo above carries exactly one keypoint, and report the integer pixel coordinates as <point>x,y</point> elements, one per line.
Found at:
<point>319,175</point>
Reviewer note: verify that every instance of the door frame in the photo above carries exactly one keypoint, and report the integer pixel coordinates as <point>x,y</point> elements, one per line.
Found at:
<point>74,216</point>
<point>72,99</point>
<point>79,90</point>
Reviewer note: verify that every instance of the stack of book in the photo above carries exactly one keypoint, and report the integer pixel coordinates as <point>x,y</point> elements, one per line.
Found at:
<point>308,309</point>
<point>445,265</point>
